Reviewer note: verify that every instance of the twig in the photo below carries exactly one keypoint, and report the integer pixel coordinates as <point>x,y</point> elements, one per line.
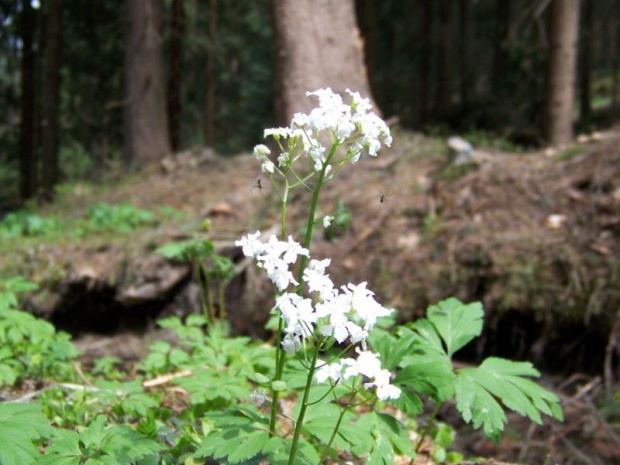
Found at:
<point>81,375</point>
<point>165,379</point>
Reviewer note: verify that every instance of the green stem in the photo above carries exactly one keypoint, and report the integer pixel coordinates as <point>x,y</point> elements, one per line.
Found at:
<point>311,219</point>
<point>304,404</point>
<point>427,430</point>
<point>207,285</point>
<point>333,436</point>
<point>280,355</point>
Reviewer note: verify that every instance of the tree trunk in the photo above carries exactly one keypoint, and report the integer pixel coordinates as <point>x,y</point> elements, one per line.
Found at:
<point>426,43</point>
<point>614,60</point>
<point>51,100</point>
<point>585,60</point>
<point>146,120</point>
<point>465,52</point>
<point>318,45</point>
<point>177,33</point>
<point>563,32</point>
<point>502,30</point>
<point>442,100</point>
<point>368,24</point>
<point>209,121</point>
<point>27,158</point>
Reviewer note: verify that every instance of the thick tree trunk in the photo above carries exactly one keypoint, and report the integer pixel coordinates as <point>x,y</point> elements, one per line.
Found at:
<point>51,100</point>
<point>442,101</point>
<point>563,33</point>
<point>426,42</point>
<point>146,136</point>
<point>27,155</point>
<point>367,12</point>
<point>317,45</point>
<point>209,119</point>
<point>177,33</point>
<point>585,59</point>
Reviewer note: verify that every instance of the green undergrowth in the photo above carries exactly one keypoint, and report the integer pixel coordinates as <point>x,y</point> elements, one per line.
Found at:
<point>201,395</point>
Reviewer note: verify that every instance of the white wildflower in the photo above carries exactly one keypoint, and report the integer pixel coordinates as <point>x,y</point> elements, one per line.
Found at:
<point>261,152</point>
<point>327,221</point>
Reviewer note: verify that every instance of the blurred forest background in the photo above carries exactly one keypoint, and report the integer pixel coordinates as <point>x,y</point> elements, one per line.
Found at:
<point>76,77</point>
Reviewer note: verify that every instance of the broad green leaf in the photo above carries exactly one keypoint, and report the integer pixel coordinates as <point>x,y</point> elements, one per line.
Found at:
<point>20,424</point>
<point>430,374</point>
<point>456,322</point>
<point>390,437</point>
<point>478,391</point>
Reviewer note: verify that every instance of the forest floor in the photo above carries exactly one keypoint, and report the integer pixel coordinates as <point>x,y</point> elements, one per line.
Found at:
<point>535,236</point>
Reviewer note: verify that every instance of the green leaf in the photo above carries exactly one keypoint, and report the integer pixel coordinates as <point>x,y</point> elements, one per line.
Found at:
<point>390,437</point>
<point>456,322</point>
<point>479,389</point>
<point>127,446</point>
<point>251,446</point>
<point>20,424</point>
<point>278,385</point>
<point>430,374</point>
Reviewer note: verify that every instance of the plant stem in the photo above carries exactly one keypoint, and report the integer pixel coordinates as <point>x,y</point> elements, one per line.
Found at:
<point>280,355</point>
<point>333,436</point>
<point>304,403</point>
<point>427,430</point>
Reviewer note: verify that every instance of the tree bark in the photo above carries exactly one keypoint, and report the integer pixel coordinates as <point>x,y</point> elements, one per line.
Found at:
<point>368,24</point>
<point>502,30</point>
<point>318,45</point>
<point>27,162</point>
<point>209,120</point>
<point>442,100</point>
<point>563,33</point>
<point>585,60</point>
<point>146,133</point>
<point>465,51</point>
<point>51,100</point>
<point>177,33</point>
<point>426,42</point>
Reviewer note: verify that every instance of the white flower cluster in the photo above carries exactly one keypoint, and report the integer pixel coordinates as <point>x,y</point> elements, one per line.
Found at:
<point>345,313</point>
<point>352,125</point>
<point>366,364</point>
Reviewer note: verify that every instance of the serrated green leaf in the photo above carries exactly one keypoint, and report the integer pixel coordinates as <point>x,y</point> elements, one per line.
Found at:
<point>457,323</point>
<point>479,389</point>
<point>251,446</point>
<point>20,424</point>
<point>431,374</point>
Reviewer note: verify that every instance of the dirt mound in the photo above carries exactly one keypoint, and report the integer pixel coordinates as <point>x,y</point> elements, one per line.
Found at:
<point>534,236</point>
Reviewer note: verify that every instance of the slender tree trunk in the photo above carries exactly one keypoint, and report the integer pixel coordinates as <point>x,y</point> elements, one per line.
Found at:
<point>585,59</point>
<point>464,51</point>
<point>177,33</point>
<point>51,100</point>
<point>442,100</point>
<point>318,44</point>
<point>502,30</point>
<point>426,43</point>
<point>563,33</point>
<point>146,134</point>
<point>614,60</point>
<point>27,157</point>
<point>209,120</point>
